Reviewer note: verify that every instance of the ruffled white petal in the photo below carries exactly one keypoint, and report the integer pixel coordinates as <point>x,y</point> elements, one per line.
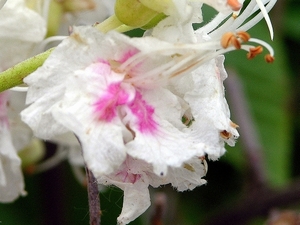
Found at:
<point>169,145</point>
<point>11,177</point>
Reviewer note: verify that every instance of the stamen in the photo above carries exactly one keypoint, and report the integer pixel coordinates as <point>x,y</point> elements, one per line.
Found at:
<point>79,174</point>
<point>266,16</point>
<point>235,42</point>
<point>234,125</point>
<point>269,58</point>
<point>232,24</point>
<point>258,17</point>
<point>227,39</point>
<point>19,89</point>
<point>230,38</point>
<point>213,24</point>
<point>234,4</point>
<point>254,52</point>
<point>263,43</point>
<point>225,134</point>
<point>60,155</point>
<point>243,35</point>
<point>45,11</point>
<point>42,46</point>
<point>204,164</point>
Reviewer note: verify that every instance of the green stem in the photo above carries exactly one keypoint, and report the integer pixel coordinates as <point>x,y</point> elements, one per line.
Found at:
<point>14,76</point>
<point>109,24</point>
<point>124,28</point>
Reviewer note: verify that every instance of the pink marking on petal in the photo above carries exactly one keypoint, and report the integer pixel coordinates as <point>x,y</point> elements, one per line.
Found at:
<point>106,106</point>
<point>144,114</point>
<point>128,177</point>
<point>128,54</point>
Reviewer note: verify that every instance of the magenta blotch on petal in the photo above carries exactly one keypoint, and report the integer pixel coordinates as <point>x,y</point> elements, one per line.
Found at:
<point>144,114</point>
<point>107,105</point>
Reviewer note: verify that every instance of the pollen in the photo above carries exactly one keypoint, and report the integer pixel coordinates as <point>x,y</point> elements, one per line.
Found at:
<point>231,39</point>
<point>244,36</point>
<point>254,52</point>
<point>269,58</point>
<point>225,134</point>
<point>234,4</point>
<point>227,39</point>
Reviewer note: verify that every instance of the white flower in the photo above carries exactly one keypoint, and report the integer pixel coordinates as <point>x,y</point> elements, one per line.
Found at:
<point>113,110</point>
<point>11,177</point>
<point>118,96</point>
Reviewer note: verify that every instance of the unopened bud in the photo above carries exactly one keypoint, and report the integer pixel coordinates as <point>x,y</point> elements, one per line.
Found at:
<point>159,17</point>
<point>133,13</point>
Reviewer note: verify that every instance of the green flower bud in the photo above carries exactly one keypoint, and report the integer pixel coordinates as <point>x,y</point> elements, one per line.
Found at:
<point>133,13</point>
<point>158,5</point>
<point>33,153</point>
<point>159,17</point>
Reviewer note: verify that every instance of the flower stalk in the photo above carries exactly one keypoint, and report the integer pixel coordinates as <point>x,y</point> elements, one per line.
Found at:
<point>93,197</point>
<point>14,76</point>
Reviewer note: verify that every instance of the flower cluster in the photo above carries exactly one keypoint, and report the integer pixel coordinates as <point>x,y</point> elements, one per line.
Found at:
<point>149,110</point>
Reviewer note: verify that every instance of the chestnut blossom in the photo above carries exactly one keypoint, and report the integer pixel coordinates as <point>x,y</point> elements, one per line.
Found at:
<point>124,99</point>
<point>146,111</point>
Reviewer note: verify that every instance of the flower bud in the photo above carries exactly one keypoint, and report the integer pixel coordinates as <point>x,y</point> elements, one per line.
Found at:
<point>159,17</point>
<point>33,153</point>
<point>158,5</point>
<point>133,13</point>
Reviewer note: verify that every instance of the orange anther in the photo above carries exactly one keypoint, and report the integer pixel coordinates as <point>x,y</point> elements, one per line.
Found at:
<point>234,5</point>
<point>254,52</point>
<point>225,134</point>
<point>236,43</point>
<point>226,39</point>
<point>243,35</point>
<point>269,58</point>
